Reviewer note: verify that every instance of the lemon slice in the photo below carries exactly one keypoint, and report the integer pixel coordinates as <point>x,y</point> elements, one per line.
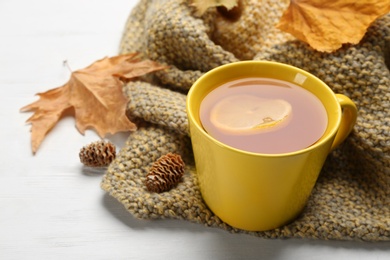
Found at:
<point>246,112</point>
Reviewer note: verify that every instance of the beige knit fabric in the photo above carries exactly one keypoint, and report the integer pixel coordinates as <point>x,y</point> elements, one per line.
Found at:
<point>351,199</point>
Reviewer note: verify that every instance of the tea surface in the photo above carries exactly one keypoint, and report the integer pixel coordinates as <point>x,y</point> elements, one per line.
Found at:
<point>263,115</point>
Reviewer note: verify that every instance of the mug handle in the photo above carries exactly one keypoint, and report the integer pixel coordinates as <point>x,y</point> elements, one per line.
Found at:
<point>348,119</point>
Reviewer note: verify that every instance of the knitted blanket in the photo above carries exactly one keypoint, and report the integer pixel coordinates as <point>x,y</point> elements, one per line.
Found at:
<point>351,199</point>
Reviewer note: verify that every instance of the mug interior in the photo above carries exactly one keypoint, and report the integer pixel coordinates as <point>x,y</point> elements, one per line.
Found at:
<point>267,69</point>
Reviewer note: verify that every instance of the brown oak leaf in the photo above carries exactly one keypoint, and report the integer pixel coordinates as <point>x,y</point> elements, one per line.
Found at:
<point>94,93</point>
<point>326,25</point>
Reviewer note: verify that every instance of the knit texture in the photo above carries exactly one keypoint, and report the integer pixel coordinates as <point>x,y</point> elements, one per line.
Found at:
<point>351,199</point>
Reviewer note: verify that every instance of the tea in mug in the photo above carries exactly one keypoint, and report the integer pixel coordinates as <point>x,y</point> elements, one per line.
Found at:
<point>263,115</point>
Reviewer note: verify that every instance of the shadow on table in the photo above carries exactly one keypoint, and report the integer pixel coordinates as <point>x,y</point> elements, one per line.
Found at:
<point>238,246</point>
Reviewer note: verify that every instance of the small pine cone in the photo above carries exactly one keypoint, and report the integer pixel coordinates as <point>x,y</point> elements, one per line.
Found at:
<point>165,173</point>
<point>98,154</point>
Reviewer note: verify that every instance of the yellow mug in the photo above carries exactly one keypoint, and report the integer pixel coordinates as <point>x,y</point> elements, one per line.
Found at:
<point>254,191</point>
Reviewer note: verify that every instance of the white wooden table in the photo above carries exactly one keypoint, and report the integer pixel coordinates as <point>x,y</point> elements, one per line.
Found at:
<point>52,208</point>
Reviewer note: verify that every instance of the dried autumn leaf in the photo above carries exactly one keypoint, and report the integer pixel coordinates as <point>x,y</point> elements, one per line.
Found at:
<point>202,5</point>
<point>49,110</point>
<point>95,94</point>
<point>326,25</point>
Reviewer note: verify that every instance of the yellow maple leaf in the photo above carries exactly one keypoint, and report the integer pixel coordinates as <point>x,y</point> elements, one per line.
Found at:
<point>94,93</point>
<point>326,25</point>
<point>202,5</point>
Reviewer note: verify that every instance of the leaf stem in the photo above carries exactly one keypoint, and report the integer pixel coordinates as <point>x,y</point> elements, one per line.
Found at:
<point>66,64</point>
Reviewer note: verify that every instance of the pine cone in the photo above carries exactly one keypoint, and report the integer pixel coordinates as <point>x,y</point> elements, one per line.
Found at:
<point>165,173</point>
<point>98,154</point>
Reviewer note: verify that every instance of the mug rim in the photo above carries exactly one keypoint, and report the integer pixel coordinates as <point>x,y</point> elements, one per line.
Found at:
<point>323,139</point>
